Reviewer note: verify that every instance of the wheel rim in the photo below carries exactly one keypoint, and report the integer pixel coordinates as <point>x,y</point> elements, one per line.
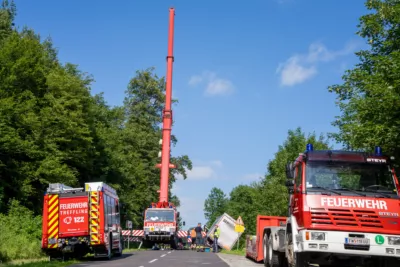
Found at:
<point>265,246</point>
<point>109,248</point>
<point>270,251</point>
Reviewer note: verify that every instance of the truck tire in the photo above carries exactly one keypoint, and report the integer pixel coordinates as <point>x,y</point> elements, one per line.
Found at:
<point>109,249</point>
<point>120,248</point>
<point>271,257</point>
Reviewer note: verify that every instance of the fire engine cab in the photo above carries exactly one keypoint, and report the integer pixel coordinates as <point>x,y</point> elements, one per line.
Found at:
<point>77,221</point>
<point>343,211</point>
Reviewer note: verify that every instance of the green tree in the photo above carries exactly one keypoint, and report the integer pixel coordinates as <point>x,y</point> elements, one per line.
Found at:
<point>8,12</point>
<point>273,196</point>
<point>369,95</point>
<point>245,202</point>
<point>214,205</point>
<point>143,106</point>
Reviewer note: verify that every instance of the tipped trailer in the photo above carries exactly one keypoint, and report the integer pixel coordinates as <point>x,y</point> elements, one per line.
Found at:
<point>228,237</point>
<point>343,211</point>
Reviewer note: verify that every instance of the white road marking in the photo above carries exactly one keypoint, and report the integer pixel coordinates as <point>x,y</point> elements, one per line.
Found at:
<point>169,252</point>
<point>153,260</point>
<point>163,255</point>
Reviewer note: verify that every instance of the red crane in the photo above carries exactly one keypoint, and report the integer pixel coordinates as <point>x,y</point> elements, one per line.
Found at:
<point>167,119</point>
<point>161,218</point>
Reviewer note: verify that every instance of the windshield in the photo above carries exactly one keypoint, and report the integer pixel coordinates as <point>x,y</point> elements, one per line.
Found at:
<point>350,176</point>
<point>160,215</point>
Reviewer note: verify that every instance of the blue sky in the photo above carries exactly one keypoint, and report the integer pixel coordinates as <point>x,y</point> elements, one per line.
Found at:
<point>243,73</point>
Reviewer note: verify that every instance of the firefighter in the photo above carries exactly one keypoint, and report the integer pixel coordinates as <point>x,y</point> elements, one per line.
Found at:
<point>199,237</point>
<point>217,233</point>
<point>193,236</point>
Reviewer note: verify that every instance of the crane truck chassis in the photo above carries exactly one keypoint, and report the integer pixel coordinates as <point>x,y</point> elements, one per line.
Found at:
<point>343,211</point>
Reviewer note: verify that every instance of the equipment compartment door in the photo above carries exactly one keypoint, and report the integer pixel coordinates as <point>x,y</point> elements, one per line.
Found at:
<point>73,213</point>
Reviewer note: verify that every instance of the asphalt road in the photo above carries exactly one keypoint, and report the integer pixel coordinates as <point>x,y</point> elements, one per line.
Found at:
<point>160,258</point>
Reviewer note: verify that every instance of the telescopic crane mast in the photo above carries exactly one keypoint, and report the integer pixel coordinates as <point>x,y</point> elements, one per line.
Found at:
<point>167,119</point>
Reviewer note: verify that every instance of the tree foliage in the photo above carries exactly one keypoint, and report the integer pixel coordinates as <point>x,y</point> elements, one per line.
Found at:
<point>53,130</point>
<point>369,97</point>
<point>214,205</point>
<point>270,195</point>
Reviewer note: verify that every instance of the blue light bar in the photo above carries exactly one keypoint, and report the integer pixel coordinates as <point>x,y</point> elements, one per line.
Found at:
<point>309,147</point>
<point>378,151</point>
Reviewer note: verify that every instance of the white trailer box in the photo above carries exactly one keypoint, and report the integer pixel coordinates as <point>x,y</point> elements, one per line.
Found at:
<point>228,236</point>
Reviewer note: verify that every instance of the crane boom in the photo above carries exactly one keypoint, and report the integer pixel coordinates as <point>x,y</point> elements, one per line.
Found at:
<point>167,117</point>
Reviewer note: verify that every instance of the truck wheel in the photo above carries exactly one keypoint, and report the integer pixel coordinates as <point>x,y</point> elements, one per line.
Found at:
<point>265,250</point>
<point>109,249</point>
<point>271,257</point>
<point>120,248</point>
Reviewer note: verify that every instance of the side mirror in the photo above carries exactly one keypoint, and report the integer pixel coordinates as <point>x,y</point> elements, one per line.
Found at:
<point>290,185</point>
<point>183,223</point>
<point>290,170</point>
<point>178,214</point>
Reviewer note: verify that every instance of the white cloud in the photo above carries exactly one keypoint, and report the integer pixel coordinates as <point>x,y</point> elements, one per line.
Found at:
<point>201,173</point>
<point>202,170</point>
<point>214,84</point>
<point>302,67</point>
<point>195,80</point>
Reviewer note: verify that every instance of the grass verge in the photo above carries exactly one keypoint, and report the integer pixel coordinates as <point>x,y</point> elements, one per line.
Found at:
<point>38,263</point>
<point>240,252</point>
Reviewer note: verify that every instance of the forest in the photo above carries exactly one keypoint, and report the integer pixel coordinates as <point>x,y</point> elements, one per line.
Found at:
<point>54,130</point>
<point>369,103</point>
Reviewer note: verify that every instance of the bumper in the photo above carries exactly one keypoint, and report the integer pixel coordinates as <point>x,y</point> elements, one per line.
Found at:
<point>158,235</point>
<point>337,243</point>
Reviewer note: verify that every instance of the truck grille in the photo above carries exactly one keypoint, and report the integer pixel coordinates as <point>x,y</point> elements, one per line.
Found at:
<point>345,217</point>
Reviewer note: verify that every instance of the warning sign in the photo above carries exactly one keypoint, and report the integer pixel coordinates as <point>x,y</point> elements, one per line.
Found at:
<point>239,225</point>
<point>239,221</point>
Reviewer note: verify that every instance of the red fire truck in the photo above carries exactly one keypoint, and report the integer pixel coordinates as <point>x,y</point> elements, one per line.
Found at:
<point>343,211</point>
<point>77,221</point>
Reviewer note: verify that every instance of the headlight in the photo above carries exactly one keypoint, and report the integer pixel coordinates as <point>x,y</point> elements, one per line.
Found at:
<point>394,240</point>
<point>317,236</point>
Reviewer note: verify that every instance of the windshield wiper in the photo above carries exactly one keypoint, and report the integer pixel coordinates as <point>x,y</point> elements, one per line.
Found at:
<point>353,191</point>
<point>326,189</point>
<point>379,193</point>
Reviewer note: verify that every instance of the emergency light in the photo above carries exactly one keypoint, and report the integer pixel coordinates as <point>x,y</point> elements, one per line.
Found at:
<point>378,151</point>
<point>309,147</point>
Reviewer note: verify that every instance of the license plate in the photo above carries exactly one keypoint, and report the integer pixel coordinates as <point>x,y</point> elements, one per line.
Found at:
<point>356,241</point>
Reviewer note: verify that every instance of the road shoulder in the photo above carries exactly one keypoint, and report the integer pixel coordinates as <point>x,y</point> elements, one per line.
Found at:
<point>237,260</point>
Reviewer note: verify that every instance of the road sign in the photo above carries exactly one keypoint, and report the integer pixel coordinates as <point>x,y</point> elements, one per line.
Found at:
<point>239,225</point>
<point>239,221</point>
<point>239,228</point>
<point>129,224</point>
